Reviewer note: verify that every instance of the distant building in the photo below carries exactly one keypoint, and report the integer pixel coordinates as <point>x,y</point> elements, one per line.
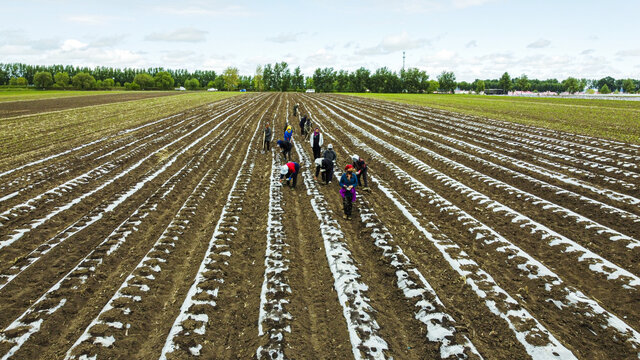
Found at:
<point>494,92</point>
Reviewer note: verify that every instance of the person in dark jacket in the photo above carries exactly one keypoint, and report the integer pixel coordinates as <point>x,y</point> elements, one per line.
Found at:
<point>348,184</point>
<point>330,154</point>
<point>295,109</point>
<point>324,167</point>
<point>286,149</point>
<point>361,171</point>
<point>303,121</point>
<point>307,128</point>
<point>316,143</point>
<point>290,172</point>
<point>267,138</point>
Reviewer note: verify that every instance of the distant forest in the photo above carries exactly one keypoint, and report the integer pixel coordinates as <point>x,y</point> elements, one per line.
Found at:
<point>280,77</point>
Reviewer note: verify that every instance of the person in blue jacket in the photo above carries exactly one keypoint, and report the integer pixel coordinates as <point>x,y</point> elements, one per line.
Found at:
<point>288,134</point>
<point>348,184</point>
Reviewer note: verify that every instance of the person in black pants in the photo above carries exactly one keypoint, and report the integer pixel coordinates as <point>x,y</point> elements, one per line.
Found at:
<point>267,138</point>
<point>286,149</point>
<point>316,143</point>
<point>290,172</point>
<point>361,171</point>
<point>303,121</point>
<point>324,166</point>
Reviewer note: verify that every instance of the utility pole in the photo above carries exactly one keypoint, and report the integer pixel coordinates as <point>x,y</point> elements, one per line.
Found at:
<point>403,61</point>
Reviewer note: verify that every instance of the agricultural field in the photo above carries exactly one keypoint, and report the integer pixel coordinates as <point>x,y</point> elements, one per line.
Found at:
<point>615,120</point>
<point>164,233</point>
<point>36,94</point>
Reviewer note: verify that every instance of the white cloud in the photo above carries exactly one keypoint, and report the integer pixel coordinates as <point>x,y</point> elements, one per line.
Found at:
<point>108,41</point>
<point>87,19</point>
<point>205,8</point>
<point>632,52</point>
<point>285,37</point>
<point>181,35</point>
<point>539,44</point>
<point>72,45</point>
<point>587,52</point>
<point>395,43</point>
<point>461,4</point>
<point>471,44</point>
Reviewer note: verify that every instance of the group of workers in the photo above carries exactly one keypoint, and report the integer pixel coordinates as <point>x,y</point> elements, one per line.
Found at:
<point>355,173</point>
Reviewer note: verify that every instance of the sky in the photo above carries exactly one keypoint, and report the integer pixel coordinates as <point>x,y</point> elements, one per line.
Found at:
<point>473,38</point>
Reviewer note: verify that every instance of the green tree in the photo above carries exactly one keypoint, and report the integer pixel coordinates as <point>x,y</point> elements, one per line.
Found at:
<point>572,85</point>
<point>83,81</point>
<point>163,80</point>
<point>628,86</point>
<point>42,79</point>
<point>258,81</point>
<point>505,82</point>
<point>360,80</point>
<point>522,83</point>
<point>605,89</point>
<point>108,84</point>
<point>297,79</point>
<point>447,81</point>
<point>61,79</point>
<point>479,86</point>
<point>144,80</point>
<point>211,84</point>
<point>218,83</point>
<point>414,80</point>
<point>609,81</point>
<point>230,76</point>
<point>13,81</point>
<point>22,81</point>
<point>192,84</point>
<point>433,86</point>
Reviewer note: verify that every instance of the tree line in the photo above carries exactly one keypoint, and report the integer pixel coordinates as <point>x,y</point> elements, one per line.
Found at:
<point>280,77</point>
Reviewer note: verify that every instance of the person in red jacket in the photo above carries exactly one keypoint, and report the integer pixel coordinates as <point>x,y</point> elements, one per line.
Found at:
<point>290,172</point>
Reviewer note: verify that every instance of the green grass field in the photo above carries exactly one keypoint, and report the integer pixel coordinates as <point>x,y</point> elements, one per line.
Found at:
<point>33,94</point>
<point>612,119</point>
<point>36,134</point>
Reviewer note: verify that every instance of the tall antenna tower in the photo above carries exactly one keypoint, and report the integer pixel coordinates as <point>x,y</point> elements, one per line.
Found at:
<point>403,61</point>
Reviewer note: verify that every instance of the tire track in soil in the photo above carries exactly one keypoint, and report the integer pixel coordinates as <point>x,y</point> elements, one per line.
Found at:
<point>145,232</point>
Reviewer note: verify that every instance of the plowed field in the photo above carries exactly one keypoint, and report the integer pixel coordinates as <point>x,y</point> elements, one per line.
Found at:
<point>478,239</point>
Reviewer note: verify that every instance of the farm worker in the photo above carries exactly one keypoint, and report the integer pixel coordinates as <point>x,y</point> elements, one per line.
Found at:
<point>361,170</point>
<point>290,172</point>
<point>330,154</point>
<point>286,149</point>
<point>324,166</point>
<point>307,128</point>
<point>295,109</point>
<point>303,121</point>
<point>267,138</point>
<point>316,142</point>
<point>288,134</point>
<point>348,183</point>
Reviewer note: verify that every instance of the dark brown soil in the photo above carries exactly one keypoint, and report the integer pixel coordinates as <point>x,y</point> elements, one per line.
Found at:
<point>28,107</point>
<point>69,270</point>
